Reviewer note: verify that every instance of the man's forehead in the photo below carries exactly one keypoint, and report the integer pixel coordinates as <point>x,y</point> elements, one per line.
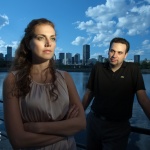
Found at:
<point>118,46</point>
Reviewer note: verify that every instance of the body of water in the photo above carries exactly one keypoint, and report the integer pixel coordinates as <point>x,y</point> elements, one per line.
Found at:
<point>139,119</point>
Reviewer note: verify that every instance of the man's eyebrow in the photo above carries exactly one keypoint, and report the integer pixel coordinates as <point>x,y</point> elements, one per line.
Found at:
<point>112,49</point>
<point>116,50</point>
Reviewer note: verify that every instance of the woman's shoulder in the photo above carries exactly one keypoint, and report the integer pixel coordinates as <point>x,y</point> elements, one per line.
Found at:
<point>61,72</point>
<point>10,78</point>
<point>63,75</point>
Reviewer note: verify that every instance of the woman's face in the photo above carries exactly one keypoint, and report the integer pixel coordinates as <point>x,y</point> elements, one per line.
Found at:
<point>43,43</point>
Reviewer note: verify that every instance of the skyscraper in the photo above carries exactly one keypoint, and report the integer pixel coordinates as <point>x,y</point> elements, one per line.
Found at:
<point>86,53</point>
<point>77,58</point>
<point>61,58</point>
<point>1,56</point>
<point>8,56</point>
<point>137,58</point>
<point>100,58</point>
<point>68,58</point>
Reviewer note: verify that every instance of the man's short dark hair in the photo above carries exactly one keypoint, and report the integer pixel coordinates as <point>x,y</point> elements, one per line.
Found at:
<point>120,40</point>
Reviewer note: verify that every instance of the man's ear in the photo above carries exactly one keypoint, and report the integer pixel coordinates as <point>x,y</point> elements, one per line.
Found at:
<point>126,55</point>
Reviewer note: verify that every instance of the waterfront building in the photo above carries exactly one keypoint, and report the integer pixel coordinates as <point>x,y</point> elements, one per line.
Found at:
<point>1,56</point>
<point>77,59</point>
<point>137,58</point>
<point>68,58</point>
<point>92,61</point>
<point>72,60</point>
<point>100,58</point>
<point>62,58</point>
<point>8,56</point>
<point>86,53</point>
<point>104,59</point>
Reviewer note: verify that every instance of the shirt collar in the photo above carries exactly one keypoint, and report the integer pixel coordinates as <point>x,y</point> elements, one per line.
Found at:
<point>106,65</point>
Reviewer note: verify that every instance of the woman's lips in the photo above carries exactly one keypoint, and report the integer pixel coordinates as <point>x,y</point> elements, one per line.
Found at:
<point>47,51</point>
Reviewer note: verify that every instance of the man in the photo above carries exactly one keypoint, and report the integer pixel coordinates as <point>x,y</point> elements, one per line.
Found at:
<point>112,86</point>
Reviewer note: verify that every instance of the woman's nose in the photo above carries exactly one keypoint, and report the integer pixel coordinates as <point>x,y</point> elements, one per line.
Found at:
<point>47,43</point>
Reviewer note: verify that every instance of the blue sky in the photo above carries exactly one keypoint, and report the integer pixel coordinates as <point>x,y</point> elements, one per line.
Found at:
<point>80,22</point>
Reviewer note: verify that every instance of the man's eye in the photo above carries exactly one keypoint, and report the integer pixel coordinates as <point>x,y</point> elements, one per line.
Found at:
<point>119,53</point>
<point>111,51</point>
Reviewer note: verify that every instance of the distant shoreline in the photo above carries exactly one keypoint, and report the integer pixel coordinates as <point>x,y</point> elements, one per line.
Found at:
<point>144,71</point>
<point>64,69</point>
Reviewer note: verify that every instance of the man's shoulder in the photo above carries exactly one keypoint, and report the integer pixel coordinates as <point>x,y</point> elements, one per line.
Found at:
<point>101,64</point>
<point>131,64</point>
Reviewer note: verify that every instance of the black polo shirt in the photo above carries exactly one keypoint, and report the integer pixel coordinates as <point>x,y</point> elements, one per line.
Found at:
<point>114,91</point>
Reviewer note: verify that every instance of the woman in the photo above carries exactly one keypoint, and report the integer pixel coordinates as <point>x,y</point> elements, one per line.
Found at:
<point>42,108</point>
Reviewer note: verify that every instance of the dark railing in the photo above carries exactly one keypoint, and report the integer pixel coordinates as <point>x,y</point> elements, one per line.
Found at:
<point>134,129</point>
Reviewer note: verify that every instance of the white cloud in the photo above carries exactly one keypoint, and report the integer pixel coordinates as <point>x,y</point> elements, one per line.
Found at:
<point>80,40</point>
<point>84,25</point>
<point>106,51</point>
<point>118,32</point>
<point>143,50</point>
<point>115,18</point>
<point>145,42</point>
<point>3,21</point>
<point>146,45</point>
<point>58,50</point>
<point>2,43</point>
<point>95,55</point>
<point>148,1</point>
<point>137,52</point>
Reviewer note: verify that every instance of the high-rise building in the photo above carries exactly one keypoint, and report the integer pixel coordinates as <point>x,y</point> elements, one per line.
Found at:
<point>1,56</point>
<point>8,56</point>
<point>86,53</point>
<point>61,58</point>
<point>100,58</point>
<point>137,58</point>
<point>72,60</point>
<point>77,58</point>
<point>68,58</point>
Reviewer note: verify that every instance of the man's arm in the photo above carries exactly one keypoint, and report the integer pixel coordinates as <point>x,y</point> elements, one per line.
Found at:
<point>87,98</point>
<point>144,101</point>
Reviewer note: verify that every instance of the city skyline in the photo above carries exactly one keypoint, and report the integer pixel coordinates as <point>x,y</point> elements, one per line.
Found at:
<point>81,22</point>
<point>67,58</point>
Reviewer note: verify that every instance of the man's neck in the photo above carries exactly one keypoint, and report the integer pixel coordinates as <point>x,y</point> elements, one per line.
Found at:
<point>114,68</point>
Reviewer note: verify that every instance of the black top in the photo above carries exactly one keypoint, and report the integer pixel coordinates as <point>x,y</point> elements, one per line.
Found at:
<point>114,91</point>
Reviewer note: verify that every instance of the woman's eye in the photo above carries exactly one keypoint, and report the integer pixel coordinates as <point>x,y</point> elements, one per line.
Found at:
<point>41,38</point>
<point>53,39</point>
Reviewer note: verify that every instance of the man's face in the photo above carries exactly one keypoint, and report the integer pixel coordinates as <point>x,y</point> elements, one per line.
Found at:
<point>117,54</point>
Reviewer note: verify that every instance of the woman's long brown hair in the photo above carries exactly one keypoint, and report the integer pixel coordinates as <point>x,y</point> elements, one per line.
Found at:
<point>22,62</point>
